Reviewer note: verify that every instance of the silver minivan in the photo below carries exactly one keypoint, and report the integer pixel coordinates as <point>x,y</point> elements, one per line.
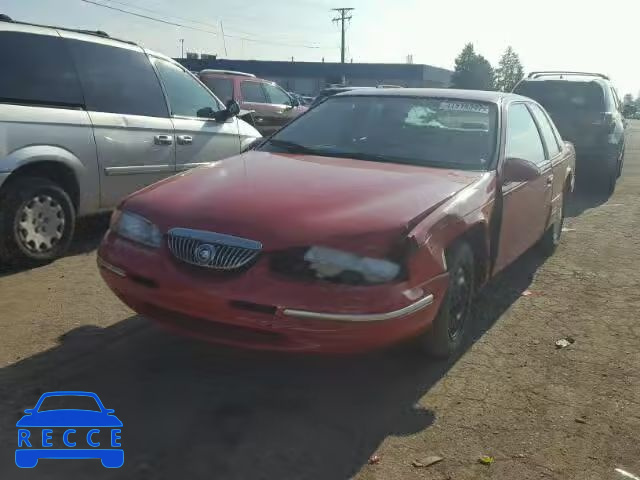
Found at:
<point>85,120</point>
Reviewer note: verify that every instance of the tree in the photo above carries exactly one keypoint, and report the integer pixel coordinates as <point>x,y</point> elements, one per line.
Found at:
<point>509,71</point>
<point>472,71</point>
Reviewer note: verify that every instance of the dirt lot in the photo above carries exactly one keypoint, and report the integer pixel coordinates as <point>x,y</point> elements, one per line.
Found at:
<point>195,411</point>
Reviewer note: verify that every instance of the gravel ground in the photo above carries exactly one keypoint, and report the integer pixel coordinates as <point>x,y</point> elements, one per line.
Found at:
<point>195,411</point>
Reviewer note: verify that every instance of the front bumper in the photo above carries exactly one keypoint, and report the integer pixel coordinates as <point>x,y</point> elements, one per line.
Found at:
<point>259,310</point>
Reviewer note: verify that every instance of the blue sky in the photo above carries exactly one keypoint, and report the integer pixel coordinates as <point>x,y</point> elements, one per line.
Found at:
<point>547,34</point>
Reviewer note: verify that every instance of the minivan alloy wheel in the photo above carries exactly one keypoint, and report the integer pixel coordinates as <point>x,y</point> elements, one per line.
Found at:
<point>40,224</point>
<point>37,221</point>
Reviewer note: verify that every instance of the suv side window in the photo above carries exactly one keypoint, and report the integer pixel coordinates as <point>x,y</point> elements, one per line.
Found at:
<point>186,95</point>
<point>550,141</point>
<point>221,87</point>
<point>277,95</point>
<point>118,80</point>
<point>37,69</point>
<point>253,92</point>
<point>523,138</point>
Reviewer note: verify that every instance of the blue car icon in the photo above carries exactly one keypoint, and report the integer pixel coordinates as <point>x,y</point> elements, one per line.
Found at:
<point>81,426</point>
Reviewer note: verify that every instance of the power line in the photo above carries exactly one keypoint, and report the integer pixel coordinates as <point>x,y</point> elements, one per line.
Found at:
<point>345,15</point>
<point>148,17</point>
<point>168,22</point>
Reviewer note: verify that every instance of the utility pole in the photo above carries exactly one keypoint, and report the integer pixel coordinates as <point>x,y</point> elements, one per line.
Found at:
<point>181,48</point>
<point>344,14</point>
<point>224,42</point>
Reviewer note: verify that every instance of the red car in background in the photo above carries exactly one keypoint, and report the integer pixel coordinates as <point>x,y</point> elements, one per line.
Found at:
<point>371,219</point>
<point>272,107</point>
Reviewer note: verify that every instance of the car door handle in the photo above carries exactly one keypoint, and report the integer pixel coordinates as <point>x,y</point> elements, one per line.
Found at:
<point>549,180</point>
<point>185,139</point>
<point>163,139</point>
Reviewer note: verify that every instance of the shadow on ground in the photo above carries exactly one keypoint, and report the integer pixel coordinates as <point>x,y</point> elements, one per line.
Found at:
<point>88,234</point>
<point>192,410</point>
<point>585,197</point>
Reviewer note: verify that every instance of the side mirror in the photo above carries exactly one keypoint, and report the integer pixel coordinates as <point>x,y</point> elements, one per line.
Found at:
<point>206,112</point>
<point>295,102</point>
<point>519,170</point>
<point>109,411</point>
<point>233,108</point>
<point>29,411</point>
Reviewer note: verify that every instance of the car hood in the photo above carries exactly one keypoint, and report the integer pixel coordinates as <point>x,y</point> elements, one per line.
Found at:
<point>69,418</point>
<point>285,200</point>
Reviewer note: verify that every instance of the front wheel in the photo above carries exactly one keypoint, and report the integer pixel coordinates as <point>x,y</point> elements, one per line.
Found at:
<point>37,220</point>
<point>451,326</point>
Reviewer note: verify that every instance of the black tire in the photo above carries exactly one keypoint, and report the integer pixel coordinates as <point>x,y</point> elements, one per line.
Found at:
<point>451,327</point>
<point>609,181</point>
<point>551,238</point>
<point>621,163</point>
<point>14,199</point>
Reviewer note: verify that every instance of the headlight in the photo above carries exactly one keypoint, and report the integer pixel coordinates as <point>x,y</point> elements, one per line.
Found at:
<point>351,268</point>
<point>136,228</point>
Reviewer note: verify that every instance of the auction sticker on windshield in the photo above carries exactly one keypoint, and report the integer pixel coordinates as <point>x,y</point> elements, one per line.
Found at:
<point>69,425</point>
<point>464,107</point>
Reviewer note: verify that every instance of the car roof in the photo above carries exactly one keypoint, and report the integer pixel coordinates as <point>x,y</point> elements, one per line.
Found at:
<point>343,89</point>
<point>472,95</point>
<point>71,393</point>
<point>9,24</point>
<point>567,78</point>
<point>233,73</point>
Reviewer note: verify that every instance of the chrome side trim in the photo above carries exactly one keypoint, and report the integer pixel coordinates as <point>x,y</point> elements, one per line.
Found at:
<point>362,317</point>
<point>107,266</point>
<point>139,169</point>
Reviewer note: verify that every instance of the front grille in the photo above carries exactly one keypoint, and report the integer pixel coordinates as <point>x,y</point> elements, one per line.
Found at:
<point>212,250</point>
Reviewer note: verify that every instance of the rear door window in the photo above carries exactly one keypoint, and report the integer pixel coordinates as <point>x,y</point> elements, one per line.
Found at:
<point>36,69</point>
<point>118,80</point>
<point>221,87</point>
<point>253,92</point>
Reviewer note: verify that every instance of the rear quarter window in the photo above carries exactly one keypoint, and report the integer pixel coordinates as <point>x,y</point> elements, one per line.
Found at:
<point>36,69</point>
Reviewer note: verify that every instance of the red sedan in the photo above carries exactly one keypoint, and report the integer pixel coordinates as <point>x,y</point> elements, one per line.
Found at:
<point>370,219</point>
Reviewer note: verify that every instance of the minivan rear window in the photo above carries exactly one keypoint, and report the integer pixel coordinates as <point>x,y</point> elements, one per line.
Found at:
<point>36,70</point>
<point>559,96</point>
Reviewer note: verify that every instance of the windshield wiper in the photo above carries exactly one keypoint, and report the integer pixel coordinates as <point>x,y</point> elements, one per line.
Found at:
<point>292,147</point>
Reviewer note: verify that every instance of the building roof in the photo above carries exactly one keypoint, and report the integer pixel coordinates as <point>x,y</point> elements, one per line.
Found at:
<point>477,95</point>
<point>268,68</point>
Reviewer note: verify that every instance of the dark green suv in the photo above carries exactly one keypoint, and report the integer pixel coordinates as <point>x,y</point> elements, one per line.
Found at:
<point>587,111</point>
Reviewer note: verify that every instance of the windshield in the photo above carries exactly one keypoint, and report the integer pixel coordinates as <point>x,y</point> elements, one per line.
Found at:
<point>67,402</point>
<point>565,97</point>
<point>438,132</point>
